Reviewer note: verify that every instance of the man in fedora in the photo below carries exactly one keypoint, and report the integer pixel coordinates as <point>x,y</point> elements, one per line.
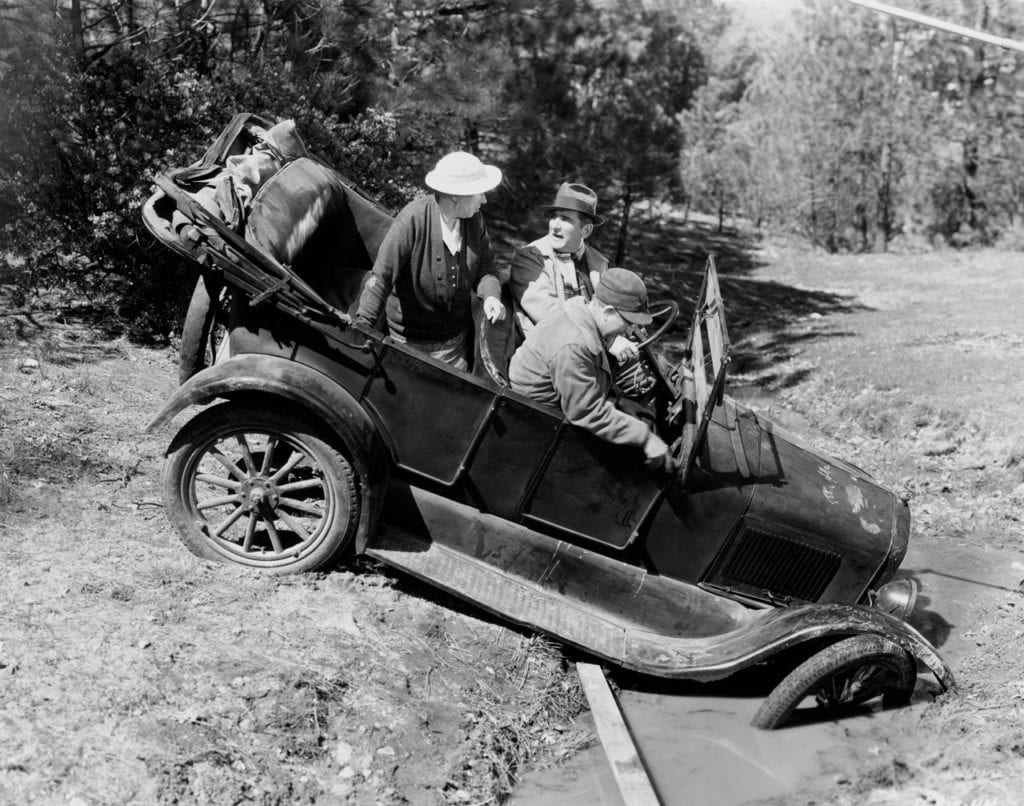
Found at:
<point>559,265</point>
<point>563,362</point>
<point>436,254</point>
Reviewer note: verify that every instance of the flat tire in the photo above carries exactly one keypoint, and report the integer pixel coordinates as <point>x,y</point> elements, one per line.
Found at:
<point>840,677</point>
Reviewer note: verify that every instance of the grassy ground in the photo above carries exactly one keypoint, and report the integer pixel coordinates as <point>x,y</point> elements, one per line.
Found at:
<point>131,672</point>
<point>919,379</point>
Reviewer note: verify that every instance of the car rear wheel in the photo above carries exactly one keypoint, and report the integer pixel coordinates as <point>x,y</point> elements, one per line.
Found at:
<point>260,488</point>
<point>841,676</point>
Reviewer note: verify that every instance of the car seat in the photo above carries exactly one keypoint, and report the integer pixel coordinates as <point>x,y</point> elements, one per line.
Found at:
<point>310,218</point>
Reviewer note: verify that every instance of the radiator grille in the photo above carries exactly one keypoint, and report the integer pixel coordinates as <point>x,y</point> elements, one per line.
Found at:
<point>762,562</point>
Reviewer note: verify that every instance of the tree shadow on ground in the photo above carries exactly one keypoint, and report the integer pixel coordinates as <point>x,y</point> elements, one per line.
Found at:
<point>54,331</point>
<point>672,256</point>
<point>767,320</point>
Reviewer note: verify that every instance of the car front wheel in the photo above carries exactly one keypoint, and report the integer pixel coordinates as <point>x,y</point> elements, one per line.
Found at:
<point>260,488</point>
<point>839,677</point>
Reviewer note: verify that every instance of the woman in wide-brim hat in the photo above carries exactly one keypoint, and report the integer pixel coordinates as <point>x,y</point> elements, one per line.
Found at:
<point>463,174</point>
<point>436,255</point>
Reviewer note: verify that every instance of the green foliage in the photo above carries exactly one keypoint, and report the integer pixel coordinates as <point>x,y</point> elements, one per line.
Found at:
<point>608,85</point>
<point>380,90</point>
<point>717,160</point>
<point>76,175</point>
<point>973,187</point>
<point>861,130</point>
<point>829,124</point>
<point>386,153</point>
<point>857,132</point>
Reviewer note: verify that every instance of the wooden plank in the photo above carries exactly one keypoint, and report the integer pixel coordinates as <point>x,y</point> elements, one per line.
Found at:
<point>630,775</point>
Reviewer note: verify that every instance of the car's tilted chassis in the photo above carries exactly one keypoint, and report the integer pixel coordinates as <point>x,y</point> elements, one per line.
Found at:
<point>333,438</point>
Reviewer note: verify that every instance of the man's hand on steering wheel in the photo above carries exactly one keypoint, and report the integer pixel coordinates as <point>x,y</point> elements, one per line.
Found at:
<point>657,454</point>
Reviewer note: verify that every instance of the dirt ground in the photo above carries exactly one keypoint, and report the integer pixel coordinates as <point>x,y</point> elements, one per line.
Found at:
<point>132,672</point>
<point>914,370</point>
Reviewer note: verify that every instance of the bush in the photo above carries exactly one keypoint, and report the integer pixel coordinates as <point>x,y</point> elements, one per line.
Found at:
<point>85,145</point>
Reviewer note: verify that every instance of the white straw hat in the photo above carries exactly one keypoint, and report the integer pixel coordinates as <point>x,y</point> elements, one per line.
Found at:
<point>462,174</point>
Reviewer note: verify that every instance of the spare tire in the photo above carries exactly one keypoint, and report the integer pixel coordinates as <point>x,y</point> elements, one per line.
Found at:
<point>198,349</point>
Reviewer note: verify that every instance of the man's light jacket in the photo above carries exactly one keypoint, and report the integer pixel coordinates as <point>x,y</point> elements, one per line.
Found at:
<point>563,363</point>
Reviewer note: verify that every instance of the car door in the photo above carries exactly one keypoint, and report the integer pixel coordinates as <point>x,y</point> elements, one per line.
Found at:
<point>590,489</point>
<point>513,457</point>
<point>595,490</point>
<point>505,454</point>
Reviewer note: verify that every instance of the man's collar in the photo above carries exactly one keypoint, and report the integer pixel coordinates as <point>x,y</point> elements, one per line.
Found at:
<point>578,254</point>
<point>579,313</point>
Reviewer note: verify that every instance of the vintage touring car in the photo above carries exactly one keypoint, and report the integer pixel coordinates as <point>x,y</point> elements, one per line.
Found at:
<point>320,438</point>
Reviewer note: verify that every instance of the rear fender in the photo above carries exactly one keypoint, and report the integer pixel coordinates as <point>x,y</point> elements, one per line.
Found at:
<point>251,374</point>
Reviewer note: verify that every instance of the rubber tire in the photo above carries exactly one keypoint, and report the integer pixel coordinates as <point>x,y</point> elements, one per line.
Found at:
<point>341,485</point>
<point>843,657</point>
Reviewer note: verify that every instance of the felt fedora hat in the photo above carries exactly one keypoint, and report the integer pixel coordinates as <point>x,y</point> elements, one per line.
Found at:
<point>463,174</point>
<point>576,197</point>
<point>625,292</point>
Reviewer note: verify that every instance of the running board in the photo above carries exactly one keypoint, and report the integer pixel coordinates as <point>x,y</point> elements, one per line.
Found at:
<point>606,607</point>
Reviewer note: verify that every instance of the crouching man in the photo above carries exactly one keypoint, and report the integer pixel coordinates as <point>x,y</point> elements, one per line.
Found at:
<point>564,362</point>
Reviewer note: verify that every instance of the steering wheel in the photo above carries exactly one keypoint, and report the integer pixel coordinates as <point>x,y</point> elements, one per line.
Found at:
<point>664,308</point>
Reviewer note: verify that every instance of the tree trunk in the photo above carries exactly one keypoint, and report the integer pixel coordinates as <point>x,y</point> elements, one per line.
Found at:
<point>883,232</point>
<point>77,36</point>
<point>814,212</point>
<point>884,216</point>
<point>620,243</point>
<point>863,208</point>
<point>977,91</point>
<point>471,135</point>
<point>975,205</point>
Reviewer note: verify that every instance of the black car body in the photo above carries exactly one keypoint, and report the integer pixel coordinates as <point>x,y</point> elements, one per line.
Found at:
<point>757,544</point>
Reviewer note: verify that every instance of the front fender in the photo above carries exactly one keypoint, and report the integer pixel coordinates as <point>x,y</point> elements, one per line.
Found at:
<point>773,630</point>
<point>843,620</point>
<point>268,375</point>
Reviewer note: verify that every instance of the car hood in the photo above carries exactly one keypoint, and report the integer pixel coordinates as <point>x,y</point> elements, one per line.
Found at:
<point>815,528</point>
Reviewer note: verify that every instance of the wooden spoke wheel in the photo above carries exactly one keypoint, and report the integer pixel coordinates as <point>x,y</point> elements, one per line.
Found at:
<point>260,488</point>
